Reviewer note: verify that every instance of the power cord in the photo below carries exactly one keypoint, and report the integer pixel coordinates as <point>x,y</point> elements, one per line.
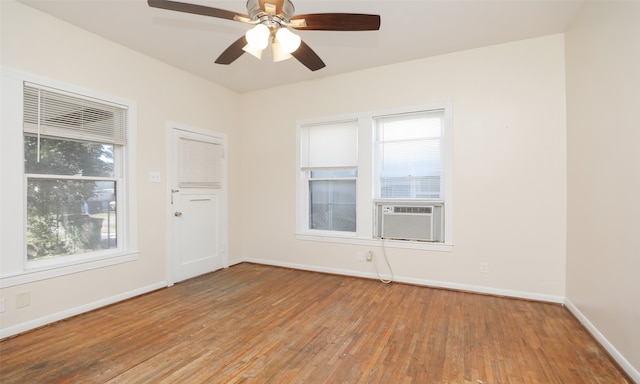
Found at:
<point>386,259</point>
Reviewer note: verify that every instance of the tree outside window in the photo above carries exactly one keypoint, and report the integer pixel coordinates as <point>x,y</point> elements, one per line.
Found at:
<point>71,196</point>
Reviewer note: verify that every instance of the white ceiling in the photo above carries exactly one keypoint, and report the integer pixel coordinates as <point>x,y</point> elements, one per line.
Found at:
<point>409,30</point>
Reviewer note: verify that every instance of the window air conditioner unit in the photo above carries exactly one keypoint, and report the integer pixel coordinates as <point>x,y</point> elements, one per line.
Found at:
<point>403,222</point>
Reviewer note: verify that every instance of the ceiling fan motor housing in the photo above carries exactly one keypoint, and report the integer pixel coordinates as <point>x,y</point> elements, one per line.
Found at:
<point>261,9</point>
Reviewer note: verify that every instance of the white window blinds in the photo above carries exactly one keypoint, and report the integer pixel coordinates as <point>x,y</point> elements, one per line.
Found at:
<point>329,145</point>
<point>200,164</point>
<point>51,112</point>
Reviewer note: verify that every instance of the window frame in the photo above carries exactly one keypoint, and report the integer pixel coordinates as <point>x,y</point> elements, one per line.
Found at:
<point>16,268</point>
<point>366,182</point>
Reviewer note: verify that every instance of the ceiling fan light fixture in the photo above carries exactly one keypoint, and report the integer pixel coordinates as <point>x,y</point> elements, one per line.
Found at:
<point>278,53</point>
<point>258,37</point>
<point>288,40</point>
<point>257,53</point>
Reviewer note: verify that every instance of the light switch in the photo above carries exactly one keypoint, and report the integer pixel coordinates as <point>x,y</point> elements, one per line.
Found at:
<point>154,177</point>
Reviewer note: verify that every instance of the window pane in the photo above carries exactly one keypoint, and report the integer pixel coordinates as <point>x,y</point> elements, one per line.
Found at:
<point>333,205</point>
<point>67,157</point>
<point>426,187</point>
<point>67,217</point>
<point>410,156</point>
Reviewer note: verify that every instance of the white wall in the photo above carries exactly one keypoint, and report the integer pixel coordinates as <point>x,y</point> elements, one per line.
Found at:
<point>42,45</point>
<point>510,178</point>
<point>603,119</point>
<point>509,166</point>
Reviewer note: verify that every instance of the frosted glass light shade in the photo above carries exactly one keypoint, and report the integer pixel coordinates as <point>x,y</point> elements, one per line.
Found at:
<point>258,37</point>
<point>278,53</point>
<point>288,41</point>
<point>257,53</point>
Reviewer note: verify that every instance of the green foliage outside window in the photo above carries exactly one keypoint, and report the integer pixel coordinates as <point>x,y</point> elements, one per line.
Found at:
<point>67,198</point>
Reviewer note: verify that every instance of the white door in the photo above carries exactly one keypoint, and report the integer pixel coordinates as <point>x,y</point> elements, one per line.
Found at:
<point>198,204</point>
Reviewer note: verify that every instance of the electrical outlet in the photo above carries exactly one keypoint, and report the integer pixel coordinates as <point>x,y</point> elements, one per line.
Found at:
<point>1,304</point>
<point>484,267</point>
<point>360,256</point>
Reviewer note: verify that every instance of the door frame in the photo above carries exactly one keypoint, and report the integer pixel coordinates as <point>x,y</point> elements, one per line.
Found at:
<point>172,182</point>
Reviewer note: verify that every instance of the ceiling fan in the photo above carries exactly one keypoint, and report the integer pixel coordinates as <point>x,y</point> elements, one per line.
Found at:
<point>271,20</point>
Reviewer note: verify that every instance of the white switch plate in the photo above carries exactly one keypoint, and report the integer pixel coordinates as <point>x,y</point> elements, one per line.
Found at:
<point>155,177</point>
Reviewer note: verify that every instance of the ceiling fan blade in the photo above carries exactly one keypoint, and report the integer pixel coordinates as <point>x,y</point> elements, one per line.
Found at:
<point>232,52</point>
<point>195,9</point>
<point>308,57</point>
<point>339,22</point>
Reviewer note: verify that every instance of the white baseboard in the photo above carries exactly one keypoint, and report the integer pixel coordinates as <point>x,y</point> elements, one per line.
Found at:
<point>33,324</point>
<point>615,354</point>
<point>414,281</point>
<point>235,262</point>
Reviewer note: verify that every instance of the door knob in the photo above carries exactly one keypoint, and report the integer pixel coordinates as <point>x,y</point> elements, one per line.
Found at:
<point>177,214</point>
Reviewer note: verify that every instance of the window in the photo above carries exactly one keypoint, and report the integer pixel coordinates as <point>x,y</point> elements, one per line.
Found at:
<point>68,208</point>
<point>72,160</point>
<point>389,165</point>
<point>409,155</point>
<point>329,169</point>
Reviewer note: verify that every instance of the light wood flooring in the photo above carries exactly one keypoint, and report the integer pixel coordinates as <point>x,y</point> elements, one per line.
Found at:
<point>260,324</point>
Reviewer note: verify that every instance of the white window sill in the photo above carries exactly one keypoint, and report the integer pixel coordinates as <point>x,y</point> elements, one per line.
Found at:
<point>419,245</point>
<point>32,275</point>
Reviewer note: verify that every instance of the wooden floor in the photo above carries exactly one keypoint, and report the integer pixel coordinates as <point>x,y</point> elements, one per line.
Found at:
<point>261,324</point>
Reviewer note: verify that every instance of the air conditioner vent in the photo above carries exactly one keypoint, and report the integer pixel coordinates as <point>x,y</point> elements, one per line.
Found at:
<point>403,209</point>
<point>409,222</point>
